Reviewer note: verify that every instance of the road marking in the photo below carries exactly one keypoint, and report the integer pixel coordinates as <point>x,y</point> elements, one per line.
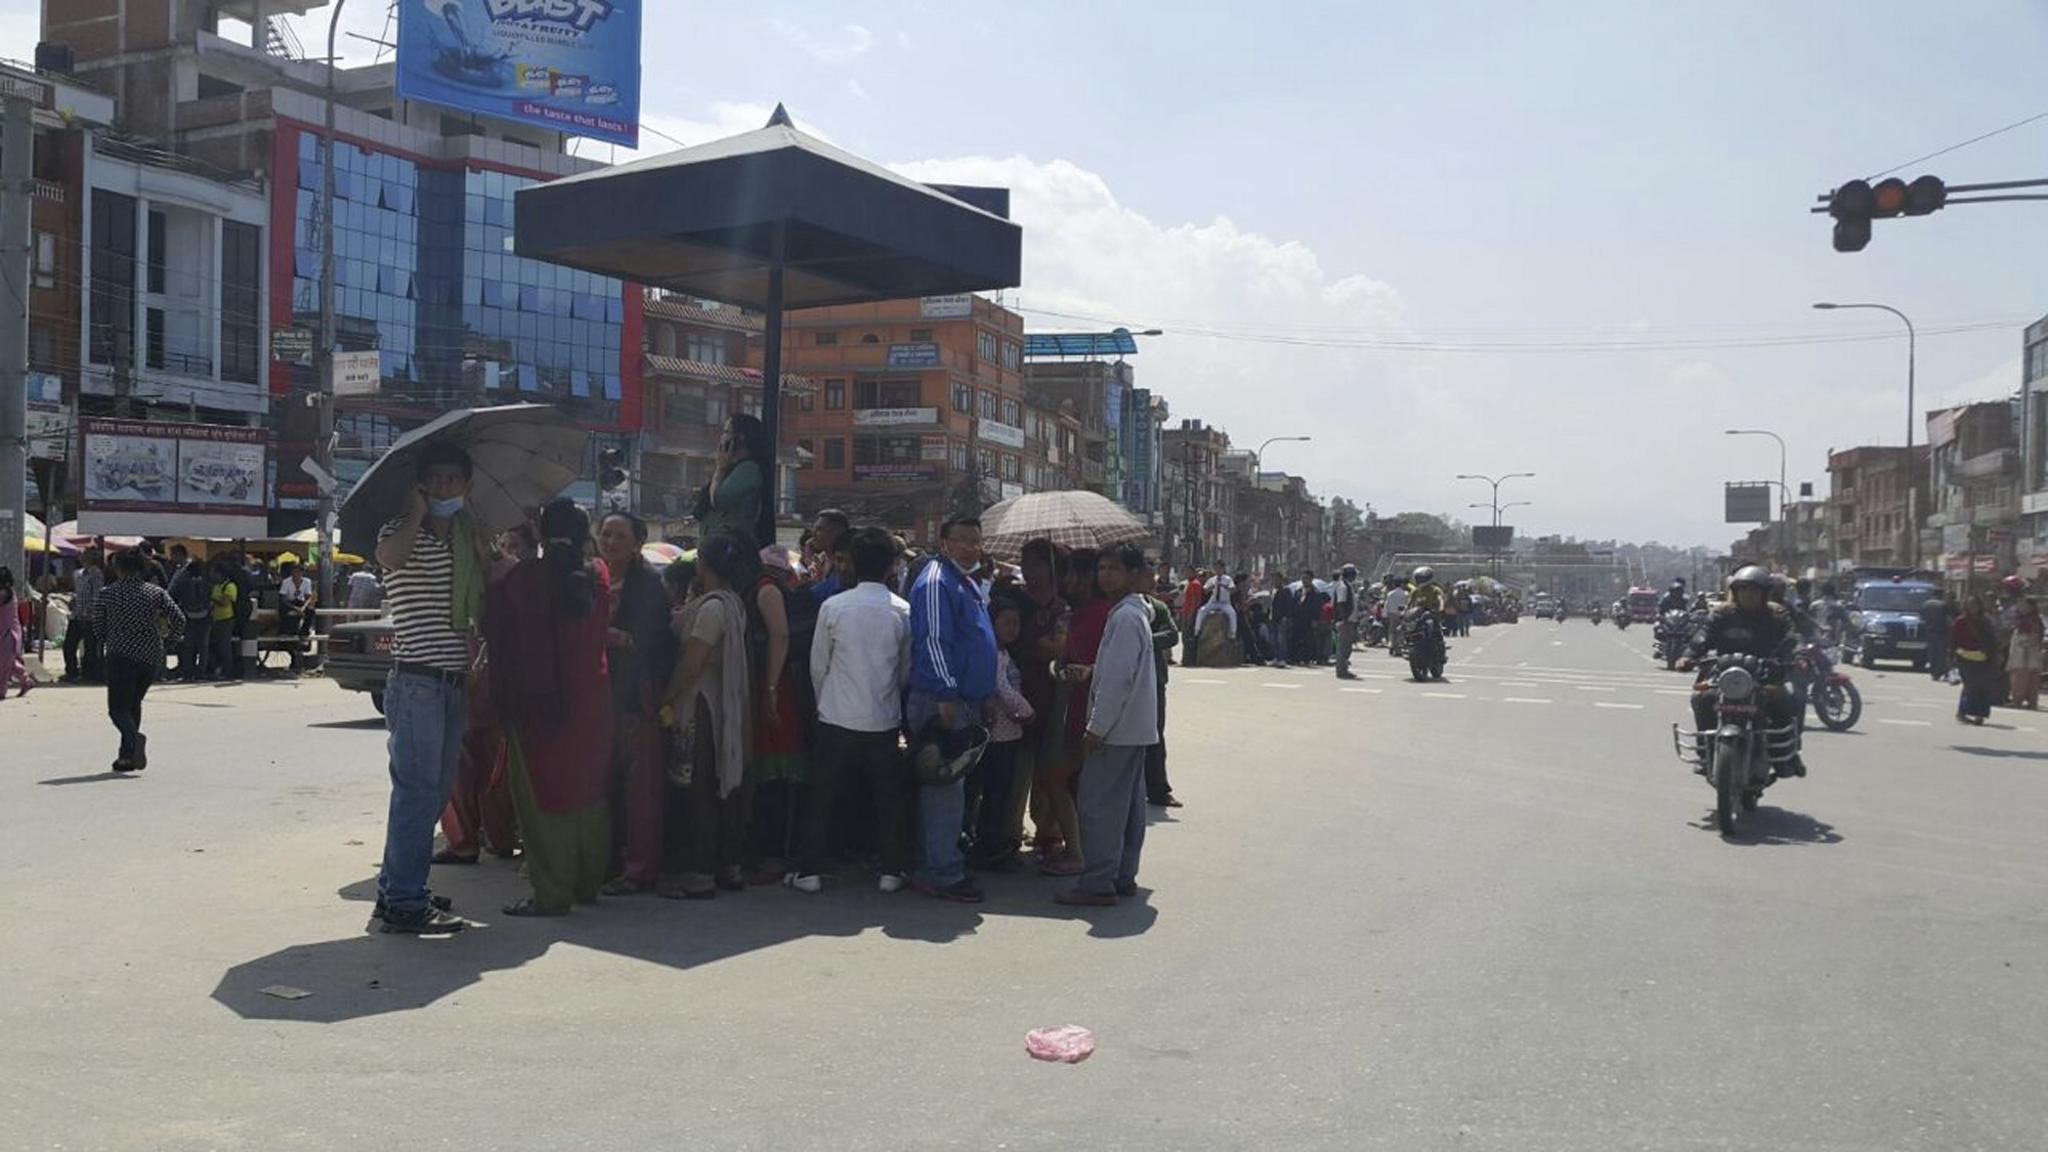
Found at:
<point>1270,684</point>
<point>1193,681</point>
<point>1612,704</point>
<point>1557,643</point>
<point>1524,700</point>
<point>1370,691</point>
<point>1445,695</point>
<point>1517,684</point>
<point>1673,691</point>
<point>1909,723</point>
<point>1592,688</point>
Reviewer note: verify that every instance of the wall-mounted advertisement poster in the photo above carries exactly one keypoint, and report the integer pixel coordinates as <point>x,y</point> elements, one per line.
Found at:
<point>154,479</point>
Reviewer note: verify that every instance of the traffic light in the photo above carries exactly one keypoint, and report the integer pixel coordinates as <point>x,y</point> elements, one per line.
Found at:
<point>1855,204</point>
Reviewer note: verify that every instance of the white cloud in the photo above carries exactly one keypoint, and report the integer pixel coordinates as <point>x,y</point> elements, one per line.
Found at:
<point>856,89</point>
<point>851,40</point>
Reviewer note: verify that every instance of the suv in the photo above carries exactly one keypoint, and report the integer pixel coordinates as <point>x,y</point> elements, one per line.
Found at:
<point>359,657</point>
<point>1884,622</point>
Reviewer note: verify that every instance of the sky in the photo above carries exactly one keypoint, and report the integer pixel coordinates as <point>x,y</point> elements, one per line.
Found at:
<point>1568,239</point>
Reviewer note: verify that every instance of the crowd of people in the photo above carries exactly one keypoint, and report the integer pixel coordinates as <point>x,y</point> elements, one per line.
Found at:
<point>752,714</point>
<point>1307,620</point>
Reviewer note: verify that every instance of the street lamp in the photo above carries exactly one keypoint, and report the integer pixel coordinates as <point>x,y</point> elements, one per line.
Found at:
<point>323,446</point>
<point>1784,493</point>
<point>1496,481</point>
<point>1259,457</point>
<point>1912,339</point>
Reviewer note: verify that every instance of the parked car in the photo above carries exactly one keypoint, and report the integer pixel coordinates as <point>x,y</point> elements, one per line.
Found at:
<point>1884,622</point>
<point>359,657</point>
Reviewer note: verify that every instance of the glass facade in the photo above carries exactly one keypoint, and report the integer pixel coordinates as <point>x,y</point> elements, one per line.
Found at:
<point>424,273</point>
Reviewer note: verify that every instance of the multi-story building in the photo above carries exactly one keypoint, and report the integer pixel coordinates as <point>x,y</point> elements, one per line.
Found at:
<point>2033,554</point>
<point>1973,508</point>
<point>1873,495</point>
<point>1145,415</point>
<point>1802,543</point>
<point>1095,389</point>
<point>421,221</point>
<point>918,410</point>
<point>1198,497</point>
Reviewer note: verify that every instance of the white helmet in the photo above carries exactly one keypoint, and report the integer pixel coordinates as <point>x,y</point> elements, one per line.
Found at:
<point>1423,575</point>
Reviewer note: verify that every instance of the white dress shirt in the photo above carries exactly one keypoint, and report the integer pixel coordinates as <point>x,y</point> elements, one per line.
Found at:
<point>860,659</point>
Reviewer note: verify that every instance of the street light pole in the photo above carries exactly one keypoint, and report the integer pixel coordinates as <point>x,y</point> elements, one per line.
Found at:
<point>1258,468</point>
<point>1497,482</point>
<point>323,445</point>
<point>1912,354</point>
<point>1784,493</point>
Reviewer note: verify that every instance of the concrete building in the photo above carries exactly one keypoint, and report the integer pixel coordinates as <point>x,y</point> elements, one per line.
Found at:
<point>1872,492</point>
<point>1095,392</point>
<point>2033,549</point>
<point>1198,500</point>
<point>919,410</point>
<point>1973,517</point>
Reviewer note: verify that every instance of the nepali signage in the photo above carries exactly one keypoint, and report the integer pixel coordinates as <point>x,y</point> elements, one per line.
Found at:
<point>920,355</point>
<point>1008,435</point>
<point>946,307</point>
<point>144,478</point>
<point>568,65</point>
<point>885,417</point>
<point>898,471</point>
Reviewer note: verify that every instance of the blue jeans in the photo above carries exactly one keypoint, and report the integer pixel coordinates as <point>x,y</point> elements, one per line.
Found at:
<point>1112,816</point>
<point>940,807</point>
<point>426,717</point>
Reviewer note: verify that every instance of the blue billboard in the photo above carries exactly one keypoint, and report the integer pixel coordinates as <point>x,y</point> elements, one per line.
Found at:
<point>569,65</point>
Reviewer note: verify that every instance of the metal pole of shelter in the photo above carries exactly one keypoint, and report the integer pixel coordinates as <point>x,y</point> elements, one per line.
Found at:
<point>771,368</point>
<point>16,167</point>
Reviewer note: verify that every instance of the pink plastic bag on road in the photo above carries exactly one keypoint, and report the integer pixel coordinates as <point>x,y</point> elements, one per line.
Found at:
<point>1067,1044</point>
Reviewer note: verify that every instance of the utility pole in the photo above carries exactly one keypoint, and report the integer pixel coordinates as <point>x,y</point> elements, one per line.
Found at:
<point>16,166</point>
<point>323,445</point>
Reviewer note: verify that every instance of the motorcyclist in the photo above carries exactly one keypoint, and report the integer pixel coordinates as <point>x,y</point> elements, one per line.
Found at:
<point>1393,608</point>
<point>1749,623</point>
<point>1425,592</point>
<point>1674,597</point>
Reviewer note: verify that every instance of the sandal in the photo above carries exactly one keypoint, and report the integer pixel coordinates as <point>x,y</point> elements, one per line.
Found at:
<point>687,888</point>
<point>527,907</point>
<point>450,856</point>
<point>624,886</point>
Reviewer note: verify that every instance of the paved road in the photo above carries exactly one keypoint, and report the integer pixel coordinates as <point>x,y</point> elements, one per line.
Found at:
<point>1486,914</point>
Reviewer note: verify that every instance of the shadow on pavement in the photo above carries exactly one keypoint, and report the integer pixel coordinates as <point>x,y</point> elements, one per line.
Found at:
<point>1772,826</point>
<point>59,781</point>
<point>1975,750</point>
<point>372,973</point>
<point>366,724</point>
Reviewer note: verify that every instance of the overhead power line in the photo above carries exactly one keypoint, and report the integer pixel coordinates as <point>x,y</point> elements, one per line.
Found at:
<point>1956,147</point>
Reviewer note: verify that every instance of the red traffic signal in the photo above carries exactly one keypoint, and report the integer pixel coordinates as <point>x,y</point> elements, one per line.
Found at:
<point>1855,204</point>
<point>1888,198</point>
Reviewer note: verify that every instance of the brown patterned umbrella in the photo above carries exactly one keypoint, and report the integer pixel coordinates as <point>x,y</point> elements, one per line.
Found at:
<point>1076,518</point>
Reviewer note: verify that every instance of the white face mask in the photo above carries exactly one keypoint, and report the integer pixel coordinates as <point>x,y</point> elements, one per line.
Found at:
<point>444,508</point>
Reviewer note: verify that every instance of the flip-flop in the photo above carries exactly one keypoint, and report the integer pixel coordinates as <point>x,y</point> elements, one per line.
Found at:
<point>527,907</point>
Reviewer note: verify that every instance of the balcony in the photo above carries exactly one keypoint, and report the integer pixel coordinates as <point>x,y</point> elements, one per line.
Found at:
<point>1986,464</point>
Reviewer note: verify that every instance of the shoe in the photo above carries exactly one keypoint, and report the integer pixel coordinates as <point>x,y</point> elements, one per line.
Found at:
<point>450,856</point>
<point>1168,800</point>
<point>1074,897</point>
<point>809,882</point>
<point>1795,767</point>
<point>891,882</point>
<point>428,921</point>
<point>1347,675</point>
<point>141,751</point>
<point>125,765</point>
<point>440,903</point>
<point>1127,887</point>
<point>959,892</point>
<point>1060,866</point>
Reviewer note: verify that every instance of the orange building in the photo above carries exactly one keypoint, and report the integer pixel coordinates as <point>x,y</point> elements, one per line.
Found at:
<point>919,410</point>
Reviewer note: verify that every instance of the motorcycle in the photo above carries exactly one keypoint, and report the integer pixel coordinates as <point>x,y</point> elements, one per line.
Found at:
<point>1740,757</point>
<point>1425,647</point>
<point>1375,628</point>
<point>1673,632</point>
<point>1818,681</point>
<point>1560,615</point>
<point>1595,615</point>
<point>1621,620</point>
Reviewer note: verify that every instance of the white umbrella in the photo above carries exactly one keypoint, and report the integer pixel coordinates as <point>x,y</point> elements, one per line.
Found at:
<point>523,456</point>
<point>1075,519</point>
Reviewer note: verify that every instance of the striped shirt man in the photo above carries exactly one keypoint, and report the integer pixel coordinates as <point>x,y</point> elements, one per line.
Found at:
<point>421,598</point>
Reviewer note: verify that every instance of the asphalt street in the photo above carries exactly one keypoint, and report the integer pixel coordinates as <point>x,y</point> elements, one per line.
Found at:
<point>1490,913</point>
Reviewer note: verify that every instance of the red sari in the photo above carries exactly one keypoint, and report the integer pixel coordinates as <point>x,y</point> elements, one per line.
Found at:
<point>550,683</point>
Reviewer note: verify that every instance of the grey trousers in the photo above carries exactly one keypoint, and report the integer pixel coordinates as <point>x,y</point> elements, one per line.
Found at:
<point>1347,635</point>
<point>1112,805</point>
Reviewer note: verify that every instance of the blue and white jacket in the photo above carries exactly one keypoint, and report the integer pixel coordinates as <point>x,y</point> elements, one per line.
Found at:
<point>952,644</point>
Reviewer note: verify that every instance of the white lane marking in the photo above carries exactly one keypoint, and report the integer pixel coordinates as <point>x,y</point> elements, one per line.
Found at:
<point>1185,680</point>
<point>1592,688</point>
<point>1445,695</point>
<point>1270,684</point>
<point>1369,691</point>
<point>1612,704</point>
<point>1918,704</point>
<point>1909,723</point>
<point>1517,684</point>
<point>1557,643</point>
<point>1672,691</point>
<point>1525,700</point>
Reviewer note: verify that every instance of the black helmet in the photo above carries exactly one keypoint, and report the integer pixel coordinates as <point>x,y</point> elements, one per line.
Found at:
<point>1678,583</point>
<point>1752,575</point>
<point>1351,569</point>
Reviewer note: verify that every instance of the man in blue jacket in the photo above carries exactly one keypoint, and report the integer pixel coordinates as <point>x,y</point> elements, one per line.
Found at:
<point>952,675</point>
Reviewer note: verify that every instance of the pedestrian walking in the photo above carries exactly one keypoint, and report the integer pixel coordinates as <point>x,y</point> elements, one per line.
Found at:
<point>1344,602</point>
<point>709,713</point>
<point>135,618</point>
<point>2024,656</point>
<point>546,627</point>
<point>81,644</point>
<point>860,663</point>
<point>435,557</point>
<point>953,671</point>
<point>1122,722</point>
<point>1972,637</point>
<point>13,638</point>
